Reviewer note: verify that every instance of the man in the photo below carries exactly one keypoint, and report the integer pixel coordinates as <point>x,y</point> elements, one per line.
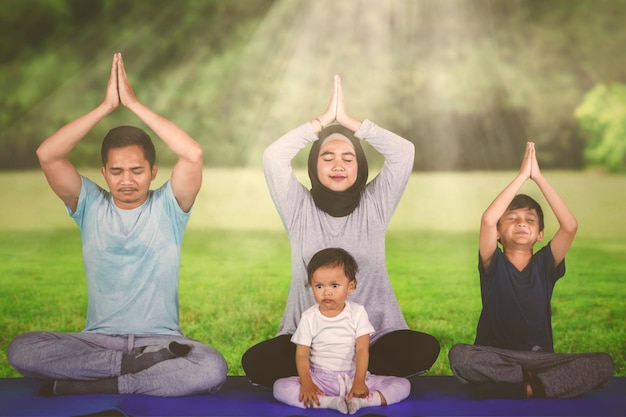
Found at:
<point>131,238</point>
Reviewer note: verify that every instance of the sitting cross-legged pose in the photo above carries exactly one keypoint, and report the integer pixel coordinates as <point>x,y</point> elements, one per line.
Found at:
<point>332,345</point>
<point>341,209</point>
<point>513,354</point>
<point>131,242</point>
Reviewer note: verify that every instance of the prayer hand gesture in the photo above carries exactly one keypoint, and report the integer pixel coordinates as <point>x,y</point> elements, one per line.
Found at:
<point>112,97</point>
<point>336,111</point>
<point>126,93</point>
<point>530,166</point>
<point>535,172</point>
<point>528,161</point>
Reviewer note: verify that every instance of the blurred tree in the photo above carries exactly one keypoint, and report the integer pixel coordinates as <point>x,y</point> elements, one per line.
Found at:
<point>54,54</point>
<point>474,84</point>
<point>602,116</point>
<point>469,81</point>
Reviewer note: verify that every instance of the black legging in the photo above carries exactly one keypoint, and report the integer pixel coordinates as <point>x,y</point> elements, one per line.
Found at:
<point>399,353</point>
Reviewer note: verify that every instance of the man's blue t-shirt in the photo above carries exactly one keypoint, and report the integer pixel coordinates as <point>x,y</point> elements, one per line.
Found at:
<point>516,310</point>
<point>132,261</point>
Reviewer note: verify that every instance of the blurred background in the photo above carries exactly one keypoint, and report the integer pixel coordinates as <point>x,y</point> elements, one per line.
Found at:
<point>468,81</point>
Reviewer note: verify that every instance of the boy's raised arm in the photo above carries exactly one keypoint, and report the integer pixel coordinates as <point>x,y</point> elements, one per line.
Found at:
<point>488,237</point>
<point>568,225</point>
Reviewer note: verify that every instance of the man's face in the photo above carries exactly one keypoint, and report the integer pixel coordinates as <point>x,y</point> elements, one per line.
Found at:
<point>128,175</point>
<point>337,166</point>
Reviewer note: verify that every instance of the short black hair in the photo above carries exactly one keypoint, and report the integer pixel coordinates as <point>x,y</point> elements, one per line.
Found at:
<point>122,136</point>
<point>330,257</point>
<point>526,201</point>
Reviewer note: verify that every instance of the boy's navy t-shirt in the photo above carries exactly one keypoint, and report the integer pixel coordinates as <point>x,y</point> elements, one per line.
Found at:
<point>516,304</point>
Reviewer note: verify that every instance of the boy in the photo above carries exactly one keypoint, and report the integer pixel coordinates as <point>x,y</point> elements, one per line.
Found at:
<point>332,351</point>
<point>513,354</point>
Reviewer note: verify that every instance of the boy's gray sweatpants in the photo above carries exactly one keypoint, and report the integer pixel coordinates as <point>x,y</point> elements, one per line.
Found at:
<point>563,375</point>
<point>89,356</point>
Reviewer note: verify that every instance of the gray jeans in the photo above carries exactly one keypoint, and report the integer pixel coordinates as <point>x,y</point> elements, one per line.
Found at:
<point>563,375</point>
<point>89,356</point>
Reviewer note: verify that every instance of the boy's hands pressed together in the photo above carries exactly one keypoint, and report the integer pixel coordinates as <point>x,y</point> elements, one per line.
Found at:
<point>535,172</point>
<point>527,161</point>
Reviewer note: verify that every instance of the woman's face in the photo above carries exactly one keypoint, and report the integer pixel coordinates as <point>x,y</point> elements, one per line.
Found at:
<point>337,166</point>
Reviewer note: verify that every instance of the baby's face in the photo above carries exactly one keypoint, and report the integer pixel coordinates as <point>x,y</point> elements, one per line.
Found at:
<point>331,287</point>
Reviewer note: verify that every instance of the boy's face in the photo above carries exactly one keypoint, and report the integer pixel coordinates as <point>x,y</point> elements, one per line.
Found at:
<point>128,175</point>
<point>330,288</point>
<point>519,227</point>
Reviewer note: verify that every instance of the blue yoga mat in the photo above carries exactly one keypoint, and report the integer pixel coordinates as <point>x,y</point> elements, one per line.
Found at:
<point>430,396</point>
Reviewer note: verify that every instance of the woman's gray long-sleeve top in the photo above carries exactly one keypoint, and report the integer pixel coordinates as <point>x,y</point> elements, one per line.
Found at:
<point>362,233</point>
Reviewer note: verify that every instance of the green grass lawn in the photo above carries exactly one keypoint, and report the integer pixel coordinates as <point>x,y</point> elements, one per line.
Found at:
<point>235,264</point>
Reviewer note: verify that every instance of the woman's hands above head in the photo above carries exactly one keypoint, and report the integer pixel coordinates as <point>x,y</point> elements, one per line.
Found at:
<point>336,111</point>
<point>330,115</point>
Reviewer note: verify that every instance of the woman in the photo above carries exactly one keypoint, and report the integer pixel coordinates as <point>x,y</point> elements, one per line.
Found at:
<point>341,210</point>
